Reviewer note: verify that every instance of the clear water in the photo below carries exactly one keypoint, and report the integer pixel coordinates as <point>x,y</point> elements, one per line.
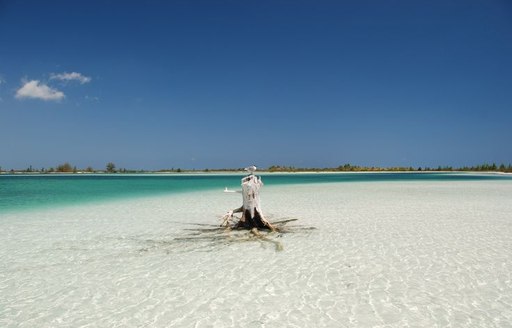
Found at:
<point>37,191</point>
<point>424,251</point>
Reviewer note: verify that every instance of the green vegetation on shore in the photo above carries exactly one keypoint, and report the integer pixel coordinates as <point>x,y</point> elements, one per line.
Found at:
<point>111,168</point>
<point>356,168</point>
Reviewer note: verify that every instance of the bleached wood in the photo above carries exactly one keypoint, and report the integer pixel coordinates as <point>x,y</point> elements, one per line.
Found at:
<point>252,215</point>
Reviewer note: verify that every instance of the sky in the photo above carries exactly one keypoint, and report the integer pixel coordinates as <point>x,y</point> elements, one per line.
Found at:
<point>226,84</point>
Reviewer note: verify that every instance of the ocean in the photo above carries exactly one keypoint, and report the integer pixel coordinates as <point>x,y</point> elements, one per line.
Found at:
<point>354,250</point>
<point>20,192</point>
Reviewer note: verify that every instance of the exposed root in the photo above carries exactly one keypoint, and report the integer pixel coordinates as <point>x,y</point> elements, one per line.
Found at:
<point>233,233</point>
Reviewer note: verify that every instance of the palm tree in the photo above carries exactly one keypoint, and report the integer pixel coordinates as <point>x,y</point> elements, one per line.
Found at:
<point>111,167</point>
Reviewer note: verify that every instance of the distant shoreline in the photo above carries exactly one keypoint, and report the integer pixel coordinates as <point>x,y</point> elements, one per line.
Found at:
<point>111,168</point>
<point>234,172</point>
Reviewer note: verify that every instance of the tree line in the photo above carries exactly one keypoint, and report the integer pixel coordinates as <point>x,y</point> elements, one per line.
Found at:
<point>110,167</point>
<point>67,168</point>
<point>357,168</point>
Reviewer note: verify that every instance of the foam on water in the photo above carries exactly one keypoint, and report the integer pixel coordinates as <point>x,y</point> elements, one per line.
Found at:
<point>383,254</point>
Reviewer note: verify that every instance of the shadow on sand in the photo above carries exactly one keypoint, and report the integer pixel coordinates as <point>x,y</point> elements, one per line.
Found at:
<point>208,237</point>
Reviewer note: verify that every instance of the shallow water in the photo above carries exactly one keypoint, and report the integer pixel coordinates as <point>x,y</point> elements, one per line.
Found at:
<point>22,192</point>
<point>383,254</point>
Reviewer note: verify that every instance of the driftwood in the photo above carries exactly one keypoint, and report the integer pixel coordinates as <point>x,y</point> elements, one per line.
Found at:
<point>252,215</point>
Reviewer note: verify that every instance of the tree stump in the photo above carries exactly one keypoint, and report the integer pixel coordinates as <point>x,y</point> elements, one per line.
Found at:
<point>252,215</point>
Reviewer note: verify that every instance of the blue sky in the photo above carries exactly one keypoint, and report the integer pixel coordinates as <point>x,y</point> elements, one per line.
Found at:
<point>196,84</point>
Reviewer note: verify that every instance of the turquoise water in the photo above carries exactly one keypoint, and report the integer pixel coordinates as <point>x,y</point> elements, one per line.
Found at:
<point>36,191</point>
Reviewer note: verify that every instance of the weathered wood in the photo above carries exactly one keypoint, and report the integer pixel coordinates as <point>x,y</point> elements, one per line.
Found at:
<point>252,215</point>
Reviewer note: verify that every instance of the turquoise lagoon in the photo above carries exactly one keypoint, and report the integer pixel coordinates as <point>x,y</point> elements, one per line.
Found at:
<point>25,192</point>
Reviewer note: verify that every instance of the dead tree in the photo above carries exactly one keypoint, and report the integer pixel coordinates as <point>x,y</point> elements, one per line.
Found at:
<point>252,215</point>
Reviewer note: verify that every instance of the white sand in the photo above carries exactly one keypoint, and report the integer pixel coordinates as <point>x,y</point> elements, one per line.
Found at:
<point>408,254</point>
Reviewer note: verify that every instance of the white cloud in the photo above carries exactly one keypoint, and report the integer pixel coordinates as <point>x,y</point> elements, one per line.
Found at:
<point>38,90</point>
<point>73,76</point>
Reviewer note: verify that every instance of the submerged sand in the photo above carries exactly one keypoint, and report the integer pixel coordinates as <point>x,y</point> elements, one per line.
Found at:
<point>383,254</point>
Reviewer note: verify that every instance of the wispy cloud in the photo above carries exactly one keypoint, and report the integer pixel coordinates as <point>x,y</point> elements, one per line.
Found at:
<point>73,76</point>
<point>91,98</point>
<point>36,89</point>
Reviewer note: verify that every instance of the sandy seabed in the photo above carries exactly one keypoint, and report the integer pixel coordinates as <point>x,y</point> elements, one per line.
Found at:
<point>384,254</point>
